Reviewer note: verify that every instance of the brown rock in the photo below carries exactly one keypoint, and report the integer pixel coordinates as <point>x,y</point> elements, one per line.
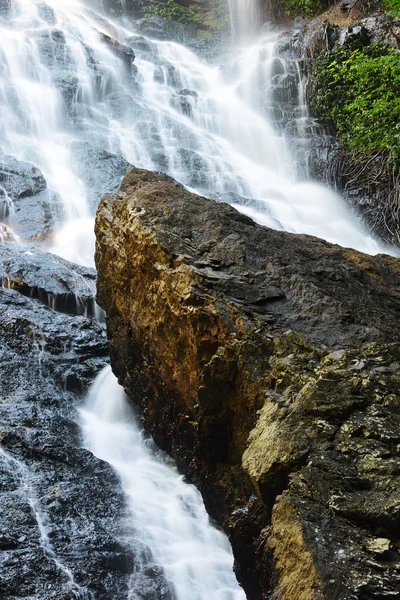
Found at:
<point>267,364</point>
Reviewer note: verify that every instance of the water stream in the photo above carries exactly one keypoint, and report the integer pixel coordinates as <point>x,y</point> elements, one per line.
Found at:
<point>67,96</point>
<point>166,515</point>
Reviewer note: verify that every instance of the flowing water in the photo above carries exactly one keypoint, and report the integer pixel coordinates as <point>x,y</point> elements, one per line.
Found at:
<point>166,514</point>
<point>69,99</point>
<point>208,125</point>
<point>245,18</point>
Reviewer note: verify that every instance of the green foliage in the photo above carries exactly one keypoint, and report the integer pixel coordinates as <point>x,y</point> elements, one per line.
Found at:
<point>308,8</point>
<point>392,7</point>
<point>218,15</point>
<point>358,90</point>
<point>172,11</point>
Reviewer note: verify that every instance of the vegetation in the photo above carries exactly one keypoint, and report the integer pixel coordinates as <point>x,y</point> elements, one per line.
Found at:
<point>173,11</point>
<point>392,7</point>
<point>308,8</point>
<point>358,90</point>
<point>218,15</point>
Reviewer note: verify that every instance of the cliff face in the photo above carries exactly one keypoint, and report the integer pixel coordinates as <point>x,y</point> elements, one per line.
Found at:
<point>267,364</point>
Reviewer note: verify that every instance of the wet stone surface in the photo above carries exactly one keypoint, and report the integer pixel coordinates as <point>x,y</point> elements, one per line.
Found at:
<point>64,524</point>
<point>60,506</point>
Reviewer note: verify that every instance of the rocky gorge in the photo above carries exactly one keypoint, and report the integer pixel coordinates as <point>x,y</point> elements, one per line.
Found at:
<point>265,363</point>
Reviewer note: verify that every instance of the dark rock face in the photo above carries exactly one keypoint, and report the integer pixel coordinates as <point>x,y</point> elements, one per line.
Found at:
<point>20,179</point>
<point>101,171</point>
<point>267,364</point>
<point>60,507</point>
<point>124,52</point>
<point>54,281</point>
<point>5,6</point>
<point>25,202</point>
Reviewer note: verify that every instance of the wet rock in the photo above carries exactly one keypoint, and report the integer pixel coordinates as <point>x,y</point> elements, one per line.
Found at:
<point>193,165</point>
<point>250,359</point>
<point>67,82</point>
<point>53,49</point>
<point>62,511</point>
<point>124,52</point>
<point>100,170</point>
<point>168,74</point>
<point>138,42</point>
<point>60,506</point>
<point>162,29</point>
<point>26,204</point>
<point>61,285</point>
<point>182,104</point>
<point>20,179</point>
<point>46,13</point>
<point>5,6</point>
<point>152,27</point>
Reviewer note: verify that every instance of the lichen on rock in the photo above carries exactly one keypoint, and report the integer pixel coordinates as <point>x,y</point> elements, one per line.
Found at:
<point>267,364</point>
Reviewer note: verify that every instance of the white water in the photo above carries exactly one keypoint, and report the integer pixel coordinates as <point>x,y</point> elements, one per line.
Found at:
<point>201,123</point>
<point>166,514</point>
<point>27,489</point>
<point>245,18</point>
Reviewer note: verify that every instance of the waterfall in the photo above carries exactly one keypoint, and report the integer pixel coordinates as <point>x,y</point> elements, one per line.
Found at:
<point>67,95</point>
<point>166,515</point>
<point>72,99</point>
<point>245,18</point>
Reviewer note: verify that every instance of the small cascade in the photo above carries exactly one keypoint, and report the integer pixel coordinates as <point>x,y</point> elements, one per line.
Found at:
<point>165,514</point>
<point>26,487</point>
<point>245,18</point>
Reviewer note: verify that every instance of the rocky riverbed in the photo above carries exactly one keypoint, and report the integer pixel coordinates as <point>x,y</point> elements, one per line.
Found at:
<point>60,506</point>
<point>267,364</point>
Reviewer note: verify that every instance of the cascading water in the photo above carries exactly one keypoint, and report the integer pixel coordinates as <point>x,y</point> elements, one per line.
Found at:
<point>166,514</point>
<point>210,126</point>
<point>69,96</point>
<point>245,18</point>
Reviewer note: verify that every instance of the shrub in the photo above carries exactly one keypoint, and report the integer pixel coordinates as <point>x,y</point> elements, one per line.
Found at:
<point>358,90</point>
<point>308,8</point>
<point>392,7</point>
<point>172,11</point>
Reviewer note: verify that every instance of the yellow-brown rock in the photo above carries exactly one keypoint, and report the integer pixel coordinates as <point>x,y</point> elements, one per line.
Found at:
<point>267,364</point>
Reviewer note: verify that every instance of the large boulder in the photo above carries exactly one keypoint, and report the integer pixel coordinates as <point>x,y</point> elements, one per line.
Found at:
<point>267,364</point>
